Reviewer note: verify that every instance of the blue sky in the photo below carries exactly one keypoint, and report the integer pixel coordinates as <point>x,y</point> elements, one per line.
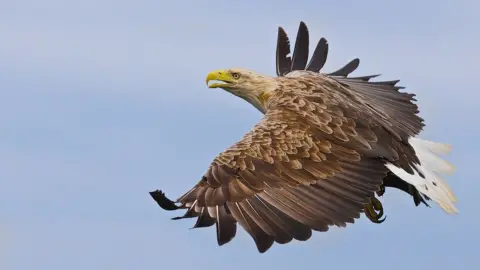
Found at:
<point>104,101</point>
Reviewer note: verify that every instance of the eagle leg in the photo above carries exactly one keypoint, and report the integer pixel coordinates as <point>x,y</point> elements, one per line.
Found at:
<point>374,211</point>
<point>164,202</point>
<point>381,191</point>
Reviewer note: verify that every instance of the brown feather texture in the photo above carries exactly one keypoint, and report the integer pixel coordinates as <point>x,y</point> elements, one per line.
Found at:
<point>324,148</point>
<point>390,99</point>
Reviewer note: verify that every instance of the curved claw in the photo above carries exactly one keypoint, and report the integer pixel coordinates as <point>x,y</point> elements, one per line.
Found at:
<point>377,205</point>
<point>374,211</point>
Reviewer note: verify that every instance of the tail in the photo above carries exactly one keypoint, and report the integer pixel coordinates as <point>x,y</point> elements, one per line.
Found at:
<point>431,185</point>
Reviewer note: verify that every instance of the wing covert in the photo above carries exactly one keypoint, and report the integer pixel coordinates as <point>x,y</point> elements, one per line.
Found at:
<point>284,179</point>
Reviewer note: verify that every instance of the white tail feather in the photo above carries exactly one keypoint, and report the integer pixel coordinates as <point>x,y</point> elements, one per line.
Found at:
<point>437,148</point>
<point>429,151</point>
<point>432,185</point>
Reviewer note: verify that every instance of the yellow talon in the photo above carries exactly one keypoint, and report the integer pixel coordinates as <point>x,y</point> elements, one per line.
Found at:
<point>371,210</point>
<point>377,205</point>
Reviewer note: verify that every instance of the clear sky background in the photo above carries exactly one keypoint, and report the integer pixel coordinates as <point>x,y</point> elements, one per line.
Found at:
<point>104,101</point>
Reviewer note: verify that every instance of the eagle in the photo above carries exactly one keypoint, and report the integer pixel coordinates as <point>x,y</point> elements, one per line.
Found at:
<point>327,145</point>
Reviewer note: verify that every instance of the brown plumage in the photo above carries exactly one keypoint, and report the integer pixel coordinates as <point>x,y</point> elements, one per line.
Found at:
<point>316,63</point>
<point>315,160</point>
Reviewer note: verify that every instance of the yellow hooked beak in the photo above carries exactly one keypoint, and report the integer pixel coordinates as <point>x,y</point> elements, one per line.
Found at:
<point>219,79</point>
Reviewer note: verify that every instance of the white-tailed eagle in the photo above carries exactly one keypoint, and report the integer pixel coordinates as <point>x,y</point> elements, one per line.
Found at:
<point>326,146</point>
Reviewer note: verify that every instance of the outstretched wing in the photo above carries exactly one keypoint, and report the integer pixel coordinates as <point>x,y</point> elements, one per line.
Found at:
<point>385,93</point>
<point>289,175</point>
<point>383,96</point>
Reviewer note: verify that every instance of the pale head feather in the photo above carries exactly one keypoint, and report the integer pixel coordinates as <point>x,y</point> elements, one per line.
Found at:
<point>247,84</point>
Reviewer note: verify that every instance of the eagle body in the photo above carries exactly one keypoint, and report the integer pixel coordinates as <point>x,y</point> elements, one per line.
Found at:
<point>325,147</point>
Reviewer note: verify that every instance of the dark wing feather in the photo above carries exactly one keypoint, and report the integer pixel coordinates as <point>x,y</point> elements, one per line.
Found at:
<point>226,226</point>
<point>300,52</point>
<point>319,56</point>
<point>285,64</point>
<point>385,97</point>
<point>347,69</point>
<point>283,61</point>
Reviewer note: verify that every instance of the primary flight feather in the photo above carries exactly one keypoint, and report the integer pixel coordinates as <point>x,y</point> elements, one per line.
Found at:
<point>327,144</point>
